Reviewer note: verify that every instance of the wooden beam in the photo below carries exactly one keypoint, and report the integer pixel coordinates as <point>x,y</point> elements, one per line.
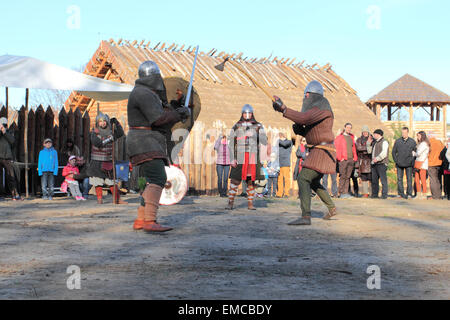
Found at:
<point>411,118</point>
<point>378,112</point>
<point>7,102</point>
<point>25,134</point>
<point>444,120</point>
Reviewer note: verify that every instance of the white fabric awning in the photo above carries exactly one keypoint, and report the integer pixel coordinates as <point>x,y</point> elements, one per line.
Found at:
<point>27,72</point>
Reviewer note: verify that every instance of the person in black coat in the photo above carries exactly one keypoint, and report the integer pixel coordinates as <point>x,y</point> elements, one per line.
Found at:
<point>402,153</point>
<point>7,141</point>
<point>445,157</point>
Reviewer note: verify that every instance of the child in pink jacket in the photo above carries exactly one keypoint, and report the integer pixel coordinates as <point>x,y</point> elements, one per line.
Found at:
<point>68,172</point>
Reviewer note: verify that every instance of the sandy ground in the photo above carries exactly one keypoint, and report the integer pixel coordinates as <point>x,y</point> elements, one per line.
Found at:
<point>215,254</point>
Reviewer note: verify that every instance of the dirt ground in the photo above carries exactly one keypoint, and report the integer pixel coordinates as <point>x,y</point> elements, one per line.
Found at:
<point>215,254</point>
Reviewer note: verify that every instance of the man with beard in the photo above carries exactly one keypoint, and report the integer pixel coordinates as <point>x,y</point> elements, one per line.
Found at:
<point>315,123</point>
<point>365,160</point>
<point>100,170</point>
<point>245,156</point>
<point>150,119</point>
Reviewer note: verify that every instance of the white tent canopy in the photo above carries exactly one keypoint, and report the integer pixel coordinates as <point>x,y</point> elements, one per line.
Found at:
<point>27,72</point>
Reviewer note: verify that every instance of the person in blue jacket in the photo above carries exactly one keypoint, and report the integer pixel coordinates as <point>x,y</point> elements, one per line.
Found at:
<point>48,169</point>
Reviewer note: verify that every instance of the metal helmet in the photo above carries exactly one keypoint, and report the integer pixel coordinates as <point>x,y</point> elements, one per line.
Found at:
<point>148,68</point>
<point>102,116</point>
<point>247,109</point>
<point>314,87</point>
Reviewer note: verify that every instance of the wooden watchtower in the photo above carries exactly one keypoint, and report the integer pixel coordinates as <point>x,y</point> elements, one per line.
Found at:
<point>412,94</point>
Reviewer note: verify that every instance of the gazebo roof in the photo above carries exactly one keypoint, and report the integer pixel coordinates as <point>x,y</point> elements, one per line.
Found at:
<point>409,89</point>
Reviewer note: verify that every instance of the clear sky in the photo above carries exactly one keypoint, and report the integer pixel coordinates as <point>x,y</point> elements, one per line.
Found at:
<point>369,43</point>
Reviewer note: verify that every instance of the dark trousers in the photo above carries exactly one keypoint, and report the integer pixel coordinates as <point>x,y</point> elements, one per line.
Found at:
<point>154,172</point>
<point>47,184</point>
<point>310,180</point>
<point>435,175</point>
<point>9,176</point>
<point>447,185</point>
<point>272,186</point>
<point>345,172</point>
<point>409,180</point>
<point>222,178</point>
<point>355,184</point>
<point>334,188</point>
<point>85,187</point>
<point>379,172</point>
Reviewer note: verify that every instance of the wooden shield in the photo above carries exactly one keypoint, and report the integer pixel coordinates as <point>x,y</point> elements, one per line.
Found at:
<point>174,83</point>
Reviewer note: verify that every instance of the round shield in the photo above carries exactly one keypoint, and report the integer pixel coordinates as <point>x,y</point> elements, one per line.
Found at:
<point>176,187</point>
<point>173,84</point>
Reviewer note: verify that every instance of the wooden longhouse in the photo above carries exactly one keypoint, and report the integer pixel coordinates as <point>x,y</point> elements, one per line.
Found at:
<point>412,94</point>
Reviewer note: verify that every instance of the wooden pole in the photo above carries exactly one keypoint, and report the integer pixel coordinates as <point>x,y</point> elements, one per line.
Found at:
<point>26,143</point>
<point>411,118</point>
<point>7,103</point>
<point>444,120</point>
<point>114,165</point>
<point>378,113</point>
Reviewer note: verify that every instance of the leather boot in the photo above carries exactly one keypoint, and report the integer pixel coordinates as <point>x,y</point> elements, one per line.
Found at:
<point>152,195</point>
<point>139,222</point>
<point>303,221</point>
<point>99,192</point>
<point>331,213</point>
<point>117,200</point>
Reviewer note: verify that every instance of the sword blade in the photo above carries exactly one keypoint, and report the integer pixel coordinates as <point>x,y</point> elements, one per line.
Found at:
<point>188,97</point>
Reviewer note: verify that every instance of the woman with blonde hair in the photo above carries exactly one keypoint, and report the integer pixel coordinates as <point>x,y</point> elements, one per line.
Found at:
<point>421,165</point>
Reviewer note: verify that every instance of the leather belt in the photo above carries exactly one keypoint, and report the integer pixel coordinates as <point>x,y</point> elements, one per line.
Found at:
<point>321,146</point>
<point>141,128</point>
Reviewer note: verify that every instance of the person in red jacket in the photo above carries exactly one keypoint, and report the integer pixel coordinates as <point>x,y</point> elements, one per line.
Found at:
<point>346,157</point>
<point>69,171</point>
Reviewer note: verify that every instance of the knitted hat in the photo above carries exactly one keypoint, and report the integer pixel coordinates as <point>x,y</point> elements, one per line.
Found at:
<point>365,129</point>
<point>72,157</point>
<point>48,140</point>
<point>379,131</point>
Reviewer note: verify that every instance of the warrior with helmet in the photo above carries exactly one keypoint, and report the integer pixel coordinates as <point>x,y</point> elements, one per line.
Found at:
<point>315,123</point>
<point>100,169</point>
<point>149,119</point>
<point>245,155</point>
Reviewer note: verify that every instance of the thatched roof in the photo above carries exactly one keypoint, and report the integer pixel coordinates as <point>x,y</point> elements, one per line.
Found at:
<point>223,94</point>
<point>409,89</point>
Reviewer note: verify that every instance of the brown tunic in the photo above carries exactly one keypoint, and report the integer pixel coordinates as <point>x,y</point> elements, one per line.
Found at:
<point>319,129</point>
